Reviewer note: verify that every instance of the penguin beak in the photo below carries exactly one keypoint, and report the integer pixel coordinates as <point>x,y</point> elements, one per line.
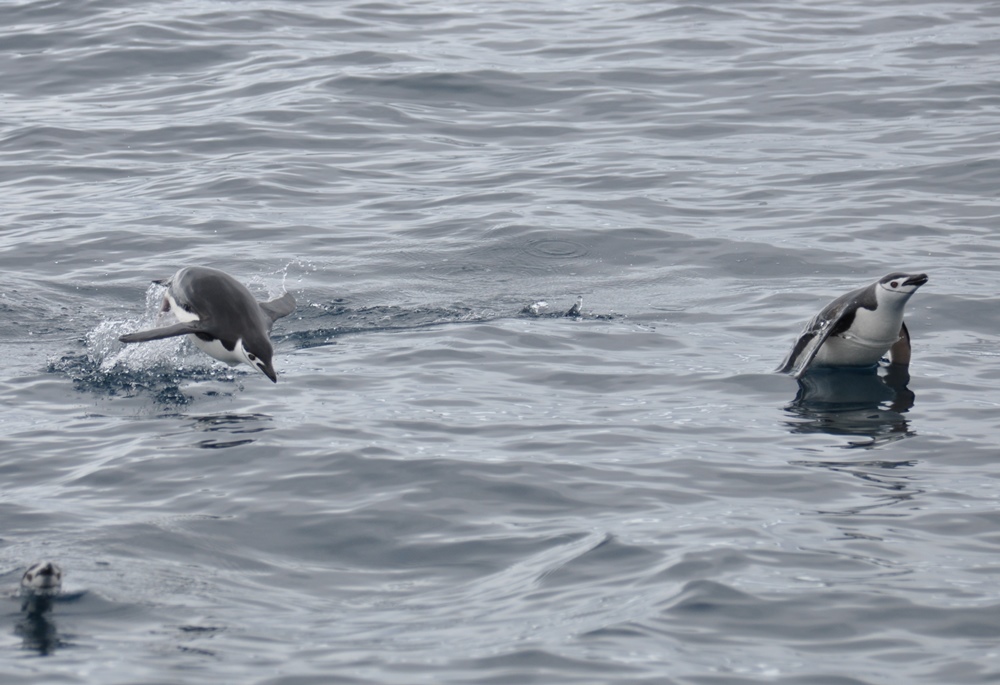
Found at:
<point>259,361</point>
<point>268,370</point>
<point>917,280</point>
<point>46,575</point>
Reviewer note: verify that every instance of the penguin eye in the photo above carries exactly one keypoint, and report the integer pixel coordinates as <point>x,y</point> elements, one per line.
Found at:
<point>894,284</point>
<point>253,358</point>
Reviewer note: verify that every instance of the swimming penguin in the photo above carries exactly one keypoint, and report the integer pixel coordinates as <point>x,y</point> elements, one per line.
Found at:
<point>858,328</point>
<point>42,577</point>
<point>576,309</point>
<point>41,587</point>
<point>222,317</point>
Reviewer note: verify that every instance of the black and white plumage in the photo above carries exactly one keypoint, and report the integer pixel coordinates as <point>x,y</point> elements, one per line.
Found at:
<point>857,329</point>
<point>222,317</point>
<point>42,576</point>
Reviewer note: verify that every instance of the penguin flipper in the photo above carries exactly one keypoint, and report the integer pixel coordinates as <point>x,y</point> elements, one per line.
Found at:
<point>804,351</point>
<point>160,333</point>
<point>807,346</point>
<point>279,307</point>
<point>899,353</point>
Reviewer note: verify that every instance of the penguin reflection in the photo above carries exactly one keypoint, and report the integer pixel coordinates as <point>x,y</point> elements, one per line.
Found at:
<point>854,402</point>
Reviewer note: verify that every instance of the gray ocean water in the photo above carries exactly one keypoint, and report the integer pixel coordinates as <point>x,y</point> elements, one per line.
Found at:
<point>443,487</point>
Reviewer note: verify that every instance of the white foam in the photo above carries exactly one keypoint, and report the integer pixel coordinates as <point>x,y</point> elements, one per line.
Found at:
<point>105,350</point>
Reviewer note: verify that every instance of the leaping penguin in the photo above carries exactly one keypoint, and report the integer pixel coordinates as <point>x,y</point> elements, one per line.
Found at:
<point>222,317</point>
<point>858,328</point>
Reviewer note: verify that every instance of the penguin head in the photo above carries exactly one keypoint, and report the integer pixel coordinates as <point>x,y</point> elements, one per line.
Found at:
<point>43,575</point>
<point>258,354</point>
<point>900,285</point>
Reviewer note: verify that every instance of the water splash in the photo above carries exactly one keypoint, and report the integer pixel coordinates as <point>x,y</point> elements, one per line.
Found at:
<point>158,368</point>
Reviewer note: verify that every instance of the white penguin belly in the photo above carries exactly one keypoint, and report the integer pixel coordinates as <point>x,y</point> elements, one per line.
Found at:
<point>215,348</point>
<point>868,339</point>
<point>846,351</point>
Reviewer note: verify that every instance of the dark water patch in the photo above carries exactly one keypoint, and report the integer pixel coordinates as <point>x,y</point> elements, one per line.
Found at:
<point>348,320</point>
<point>479,89</point>
<point>233,423</point>
<point>161,382</point>
<point>540,666</point>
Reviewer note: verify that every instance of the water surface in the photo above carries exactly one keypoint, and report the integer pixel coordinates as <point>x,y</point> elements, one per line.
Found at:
<point>444,487</point>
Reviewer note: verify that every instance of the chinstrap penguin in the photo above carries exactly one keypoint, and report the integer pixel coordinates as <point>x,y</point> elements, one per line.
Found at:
<point>857,329</point>
<point>42,576</point>
<point>222,317</point>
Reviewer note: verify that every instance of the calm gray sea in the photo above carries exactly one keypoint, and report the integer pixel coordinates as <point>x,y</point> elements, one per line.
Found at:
<point>445,487</point>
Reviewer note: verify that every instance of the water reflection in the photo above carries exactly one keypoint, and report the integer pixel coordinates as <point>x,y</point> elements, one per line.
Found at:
<point>235,429</point>
<point>37,628</point>
<point>895,484</point>
<point>869,403</point>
